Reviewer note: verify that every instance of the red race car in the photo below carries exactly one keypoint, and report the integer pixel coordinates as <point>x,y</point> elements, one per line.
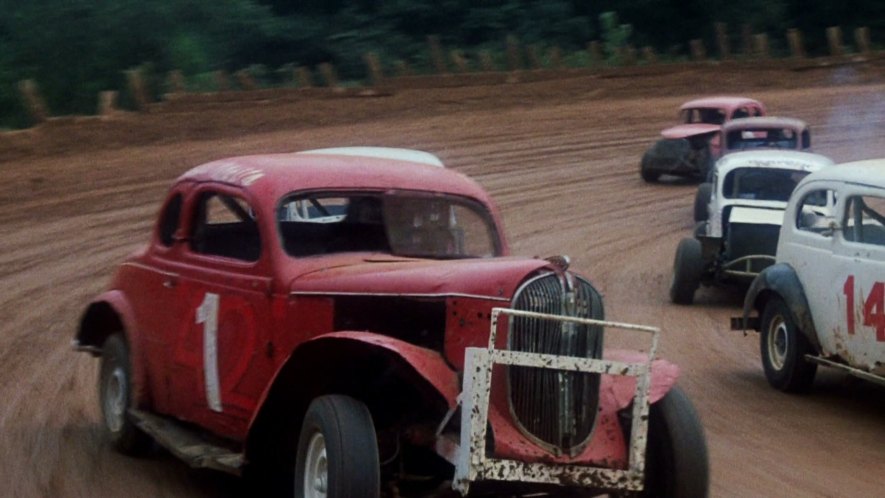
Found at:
<point>350,320</point>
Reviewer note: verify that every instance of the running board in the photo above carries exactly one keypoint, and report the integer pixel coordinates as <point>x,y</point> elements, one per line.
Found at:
<point>863,374</point>
<point>187,444</point>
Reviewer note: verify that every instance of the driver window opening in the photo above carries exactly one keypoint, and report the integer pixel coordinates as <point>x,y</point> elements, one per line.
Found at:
<point>225,226</point>
<point>865,220</point>
<point>816,211</point>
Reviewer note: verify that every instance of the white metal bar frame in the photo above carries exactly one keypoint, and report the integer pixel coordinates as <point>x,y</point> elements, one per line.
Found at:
<point>471,462</point>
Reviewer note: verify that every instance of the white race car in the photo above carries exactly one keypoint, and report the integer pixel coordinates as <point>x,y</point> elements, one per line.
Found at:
<point>823,302</point>
<point>744,214</point>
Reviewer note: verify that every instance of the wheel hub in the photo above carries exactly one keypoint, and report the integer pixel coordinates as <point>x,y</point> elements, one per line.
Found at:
<point>115,399</point>
<point>778,342</point>
<point>316,472</point>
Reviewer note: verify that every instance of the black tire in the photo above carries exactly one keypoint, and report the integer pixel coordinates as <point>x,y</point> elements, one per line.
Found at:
<point>701,200</point>
<point>704,162</point>
<point>783,347</point>
<point>343,428</point>
<point>676,462</point>
<point>115,398</point>
<point>648,175</point>
<point>688,266</point>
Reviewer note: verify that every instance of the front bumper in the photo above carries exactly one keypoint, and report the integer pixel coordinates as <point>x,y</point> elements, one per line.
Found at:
<point>471,459</point>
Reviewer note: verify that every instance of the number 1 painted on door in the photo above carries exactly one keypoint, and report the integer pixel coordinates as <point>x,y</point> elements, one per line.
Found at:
<point>207,314</point>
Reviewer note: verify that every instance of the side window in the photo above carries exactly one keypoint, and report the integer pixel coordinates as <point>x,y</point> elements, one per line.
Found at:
<point>806,139</point>
<point>865,220</point>
<point>170,220</point>
<point>755,111</point>
<point>741,112</point>
<point>815,211</point>
<point>225,226</point>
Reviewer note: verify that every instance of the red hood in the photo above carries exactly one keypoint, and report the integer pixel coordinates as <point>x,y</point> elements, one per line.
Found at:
<point>690,130</point>
<point>385,274</point>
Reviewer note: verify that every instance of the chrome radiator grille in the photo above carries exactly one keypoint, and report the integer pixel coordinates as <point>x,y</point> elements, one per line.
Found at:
<point>556,409</point>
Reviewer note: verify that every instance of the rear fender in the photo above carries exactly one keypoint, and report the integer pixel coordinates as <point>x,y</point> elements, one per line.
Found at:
<point>780,280</point>
<point>109,313</point>
<point>381,371</point>
<point>620,390</point>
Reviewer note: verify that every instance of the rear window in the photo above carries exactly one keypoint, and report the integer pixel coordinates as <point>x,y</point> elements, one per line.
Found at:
<point>761,184</point>
<point>755,138</point>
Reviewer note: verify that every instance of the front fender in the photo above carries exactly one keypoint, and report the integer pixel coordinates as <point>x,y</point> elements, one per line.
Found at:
<point>780,280</point>
<point>620,390</point>
<point>108,313</point>
<point>429,364</point>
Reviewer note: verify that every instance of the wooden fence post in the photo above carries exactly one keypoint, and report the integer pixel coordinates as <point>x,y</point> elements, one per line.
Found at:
<point>834,39</point>
<point>436,54</point>
<point>862,40</point>
<point>722,40</point>
<point>373,64</point>
<point>533,56</point>
<point>330,77</point>
<point>747,40</point>
<point>303,77</point>
<point>514,60</point>
<point>648,55</point>
<point>486,62</point>
<point>555,57</point>
<point>107,103</point>
<point>629,55</point>
<point>698,52</point>
<point>401,68</point>
<point>245,80</point>
<point>137,88</point>
<point>222,81</point>
<point>175,82</point>
<point>595,52</point>
<point>760,43</point>
<point>794,38</point>
<point>33,101</point>
<point>459,60</point>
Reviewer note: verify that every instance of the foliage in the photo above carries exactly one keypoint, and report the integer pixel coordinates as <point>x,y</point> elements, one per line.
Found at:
<point>76,48</point>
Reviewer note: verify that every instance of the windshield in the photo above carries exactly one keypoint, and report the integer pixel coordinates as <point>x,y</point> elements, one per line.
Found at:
<point>709,115</point>
<point>403,224</point>
<point>777,138</point>
<point>761,184</point>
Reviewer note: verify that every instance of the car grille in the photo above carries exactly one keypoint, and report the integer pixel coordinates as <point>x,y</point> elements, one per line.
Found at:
<point>554,408</point>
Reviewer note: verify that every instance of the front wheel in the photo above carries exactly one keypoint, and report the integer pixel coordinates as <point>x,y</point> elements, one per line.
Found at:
<point>688,266</point>
<point>115,396</point>
<point>702,200</point>
<point>646,172</point>
<point>676,463</point>
<point>337,451</point>
<point>783,347</point>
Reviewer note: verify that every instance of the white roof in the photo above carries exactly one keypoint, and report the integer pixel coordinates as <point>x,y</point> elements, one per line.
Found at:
<point>414,156</point>
<point>868,172</point>
<point>781,159</point>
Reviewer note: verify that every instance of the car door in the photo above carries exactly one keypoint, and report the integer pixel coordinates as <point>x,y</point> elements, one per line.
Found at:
<point>855,320</point>
<point>220,355</point>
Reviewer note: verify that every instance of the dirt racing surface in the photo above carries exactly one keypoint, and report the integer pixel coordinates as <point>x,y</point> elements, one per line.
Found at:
<point>560,157</point>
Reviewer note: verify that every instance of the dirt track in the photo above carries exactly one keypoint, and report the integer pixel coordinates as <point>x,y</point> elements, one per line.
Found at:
<point>560,158</point>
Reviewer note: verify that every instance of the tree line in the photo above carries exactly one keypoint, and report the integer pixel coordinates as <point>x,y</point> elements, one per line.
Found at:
<point>76,48</point>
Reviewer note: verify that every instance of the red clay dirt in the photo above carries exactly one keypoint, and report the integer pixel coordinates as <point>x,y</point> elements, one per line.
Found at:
<point>561,158</point>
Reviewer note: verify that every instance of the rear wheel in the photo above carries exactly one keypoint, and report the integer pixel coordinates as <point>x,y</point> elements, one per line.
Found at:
<point>337,451</point>
<point>645,171</point>
<point>115,397</point>
<point>701,200</point>
<point>676,463</point>
<point>688,266</point>
<point>783,347</point>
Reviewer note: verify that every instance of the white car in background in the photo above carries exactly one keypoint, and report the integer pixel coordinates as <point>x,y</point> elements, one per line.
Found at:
<point>823,302</point>
<point>744,214</point>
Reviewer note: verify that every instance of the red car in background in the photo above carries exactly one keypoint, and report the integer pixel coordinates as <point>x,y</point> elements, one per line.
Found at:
<point>351,320</point>
<point>690,148</point>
